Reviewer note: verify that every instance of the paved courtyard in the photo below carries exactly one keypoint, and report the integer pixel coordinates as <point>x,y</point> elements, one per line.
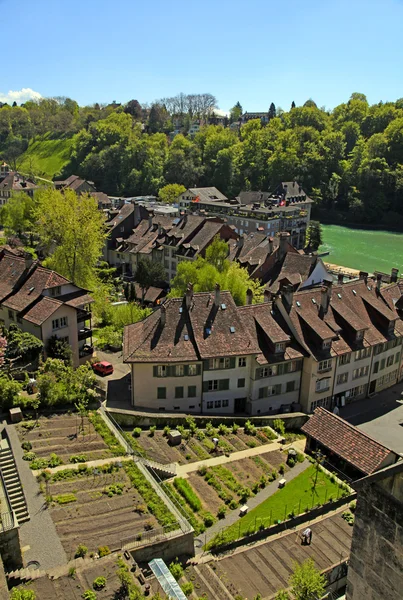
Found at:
<point>381,417</point>
<point>117,384</point>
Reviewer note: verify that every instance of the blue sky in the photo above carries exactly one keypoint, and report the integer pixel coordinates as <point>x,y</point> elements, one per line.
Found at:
<point>257,52</point>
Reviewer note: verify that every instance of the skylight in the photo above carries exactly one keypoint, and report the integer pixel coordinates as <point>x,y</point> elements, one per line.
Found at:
<point>232,329</point>
<point>181,310</point>
<point>339,296</point>
<point>354,292</point>
<point>186,337</point>
<point>313,300</point>
<point>223,306</point>
<point>298,304</point>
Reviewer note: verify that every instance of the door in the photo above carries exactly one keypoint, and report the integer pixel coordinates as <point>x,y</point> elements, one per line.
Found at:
<point>240,405</point>
<point>372,387</point>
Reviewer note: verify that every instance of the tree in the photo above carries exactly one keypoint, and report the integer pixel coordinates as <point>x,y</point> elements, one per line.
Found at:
<point>217,253</point>
<point>272,111</point>
<point>292,104</point>
<point>134,109</point>
<point>71,228</point>
<point>60,349</point>
<point>307,582</point>
<point>158,118</point>
<point>9,391</point>
<point>22,346</point>
<point>171,192</point>
<point>314,235</point>
<point>148,273</point>
<point>235,113</point>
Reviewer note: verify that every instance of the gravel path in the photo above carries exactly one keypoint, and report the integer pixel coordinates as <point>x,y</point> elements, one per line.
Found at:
<point>39,533</point>
<point>260,497</point>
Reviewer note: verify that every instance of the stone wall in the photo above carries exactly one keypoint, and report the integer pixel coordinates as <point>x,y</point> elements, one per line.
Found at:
<point>168,550</point>
<point>10,549</point>
<point>376,563</point>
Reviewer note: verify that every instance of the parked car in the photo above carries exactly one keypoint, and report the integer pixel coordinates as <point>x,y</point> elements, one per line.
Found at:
<point>103,368</point>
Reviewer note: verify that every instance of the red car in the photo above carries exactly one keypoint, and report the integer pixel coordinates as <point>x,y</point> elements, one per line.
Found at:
<point>103,368</point>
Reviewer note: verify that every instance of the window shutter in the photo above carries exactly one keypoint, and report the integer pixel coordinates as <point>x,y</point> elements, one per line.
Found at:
<point>223,384</point>
<point>277,388</point>
<point>232,363</point>
<point>198,369</point>
<point>257,373</point>
<point>206,365</point>
<point>186,370</point>
<point>155,371</point>
<point>205,386</point>
<point>170,370</point>
<point>280,370</point>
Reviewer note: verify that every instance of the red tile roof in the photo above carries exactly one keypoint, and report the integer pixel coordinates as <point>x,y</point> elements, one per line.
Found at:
<point>42,310</point>
<point>346,441</point>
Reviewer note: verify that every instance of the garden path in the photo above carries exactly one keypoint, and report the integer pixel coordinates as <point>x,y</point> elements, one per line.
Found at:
<point>183,470</point>
<point>233,515</point>
<point>90,463</point>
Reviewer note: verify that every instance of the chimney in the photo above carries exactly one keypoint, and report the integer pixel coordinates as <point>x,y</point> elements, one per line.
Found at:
<point>267,296</point>
<point>241,241</point>
<point>150,221</point>
<point>364,275</point>
<point>393,276</point>
<point>284,237</point>
<point>378,282</point>
<point>249,296</point>
<point>271,245</point>
<point>324,300</point>
<point>189,296</point>
<point>29,261</point>
<point>217,295</point>
<point>163,315</point>
<point>287,294</point>
<point>340,278</point>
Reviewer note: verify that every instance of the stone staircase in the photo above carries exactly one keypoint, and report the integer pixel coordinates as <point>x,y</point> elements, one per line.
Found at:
<point>30,573</point>
<point>163,471</point>
<point>12,483</point>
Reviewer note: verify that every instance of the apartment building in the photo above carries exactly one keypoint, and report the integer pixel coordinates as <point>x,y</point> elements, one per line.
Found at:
<point>13,182</point>
<point>352,333</point>
<point>203,354</point>
<point>45,304</point>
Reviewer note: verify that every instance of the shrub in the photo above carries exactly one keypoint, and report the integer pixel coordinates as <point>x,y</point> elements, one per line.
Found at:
<point>152,430</point>
<point>255,487</point>
<point>273,475</point>
<point>29,456</point>
<point>348,517</point>
<point>278,425</point>
<point>176,569</point>
<point>291,462</point>
<point>54,460</point>
<point>72,572</point>
<point>187,588</point>
<point>89,595</point>
<point>115,488</point>
<point>244,494</point>
<point>186,490</point>
<point>191,424</point>
<point>27,446</point>
<point>222,511</point>
<point>353,506</point>
<point>103,551</point>
<point>223,429</point>
<point>99,583</point>
<point>78,458</point>
<point>199,435</point>
<point>202,470</point>
<point>208,519</point>
<point>235,427</point>
<point>136,432</point>
<point>167,429</point>
<point>263,481</point>
<point>281,469</point>
<point>110,440</point>
<point>233,504</point>
<point>65,498</point>
<point>81,551</point>
<point>251,443</point>
<point>249,428</point>
<point>300,457</point>
<point>269,433</point>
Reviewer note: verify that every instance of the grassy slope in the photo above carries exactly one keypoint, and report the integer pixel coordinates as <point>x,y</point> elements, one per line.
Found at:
<point>46,155</point>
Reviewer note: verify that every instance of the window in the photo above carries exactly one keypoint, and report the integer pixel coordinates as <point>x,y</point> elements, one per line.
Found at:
<point>270,390</point>
<point>11,315</point>
<point>210,404</point>
<point>122,229</point>
<point>382,364</point>
<point>213,385</point>
<point>326,344</point>
<point>358,391</point>
<point>220,363</point>
<point>376,367</point>
<point>290,386</point>
<point>191,391</point>
<point>225,403</point>
<point>345,359</point>
<point>242,361</point>
<point>325,402</point>
<point>161,393</point>
<point>359,335</point>
<point>179,370</point>
<point>279,348</point>
<point>342,378</point>
<point>322,385</point>
<point>166,251</point>
<point>162,371</point>
<point>397,356</point>
<point>55,291</point>
<point>363,353</point>
<point>390,360</point>
<point>217,404</point>
<point>325,365</point>
<point>264,372</point>
<point>241,382</point>
<point>59,323</point>
<point>179,391</point>
<point>192,370</point>
<point>361,372</point>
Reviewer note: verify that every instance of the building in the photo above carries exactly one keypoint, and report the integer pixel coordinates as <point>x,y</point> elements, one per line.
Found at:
<point>375,568</point>
<point>287,209</point>
<point>13,182</point>
<point>203,354</point>
<point>76,184</point>
<point>45,304</point>
<point>119,225</point>
<point>248,116</point>
<point>346,447</point>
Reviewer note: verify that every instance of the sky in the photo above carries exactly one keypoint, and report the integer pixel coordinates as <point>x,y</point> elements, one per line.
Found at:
<point>255,52</point>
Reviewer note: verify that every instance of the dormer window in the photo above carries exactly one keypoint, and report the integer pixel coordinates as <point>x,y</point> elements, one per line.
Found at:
<point>391,326</point>
<point>359,335</point>
<point>55,291</point>
<point>327,344</point>
<point>279,347</point>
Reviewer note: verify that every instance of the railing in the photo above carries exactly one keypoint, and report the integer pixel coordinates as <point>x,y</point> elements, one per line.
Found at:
<point>169,468</point>
<point>84,333</point>
<point>83,315</point>
<point>149,537</point>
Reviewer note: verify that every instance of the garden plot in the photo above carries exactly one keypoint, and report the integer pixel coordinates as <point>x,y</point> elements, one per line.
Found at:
<point>197,444</point>
<point>102,506</point>
<point>62,435</point>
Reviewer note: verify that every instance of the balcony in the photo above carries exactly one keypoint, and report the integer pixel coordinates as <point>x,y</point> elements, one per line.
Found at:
<point>84,333</point>
<point>83,315</point>
<point>86,351</point>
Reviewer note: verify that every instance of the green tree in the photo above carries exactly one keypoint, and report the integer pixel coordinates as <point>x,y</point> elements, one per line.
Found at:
<point>9,391</point>
<point>171,192</point>
<point>60,349</point>
<point>18,214</point>
<point>307,582</point>
<point>217,253</point>
<point>272,111</point>
<point>22,346</point>
<point>235,113</point>
<point>314,235</point>
<point>72,229</point>
<point>148,273</point>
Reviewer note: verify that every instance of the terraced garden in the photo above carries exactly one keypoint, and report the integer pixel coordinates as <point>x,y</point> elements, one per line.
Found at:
<point>100,506</point>
<point>62,439</point>
<point>197,444</point>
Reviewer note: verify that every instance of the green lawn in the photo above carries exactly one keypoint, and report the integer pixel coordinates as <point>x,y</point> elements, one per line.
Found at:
<point>296,497</point>
<point>46,155</point>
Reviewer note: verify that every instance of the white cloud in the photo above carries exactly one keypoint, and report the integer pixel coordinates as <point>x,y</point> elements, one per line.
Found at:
<point>20,96</point>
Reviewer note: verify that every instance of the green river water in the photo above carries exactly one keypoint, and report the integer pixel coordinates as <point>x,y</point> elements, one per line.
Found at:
<point>363,249</point>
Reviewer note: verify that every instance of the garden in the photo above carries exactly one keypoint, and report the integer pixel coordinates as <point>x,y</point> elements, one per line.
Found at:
<point>197,444</point>
<point>94,509</point>
<point>58,439</point>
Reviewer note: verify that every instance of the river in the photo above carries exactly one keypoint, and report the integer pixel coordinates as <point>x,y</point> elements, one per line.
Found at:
<point>363,249</point>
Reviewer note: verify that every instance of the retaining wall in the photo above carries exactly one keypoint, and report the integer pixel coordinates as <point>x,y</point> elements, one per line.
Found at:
<point>168,550</point>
